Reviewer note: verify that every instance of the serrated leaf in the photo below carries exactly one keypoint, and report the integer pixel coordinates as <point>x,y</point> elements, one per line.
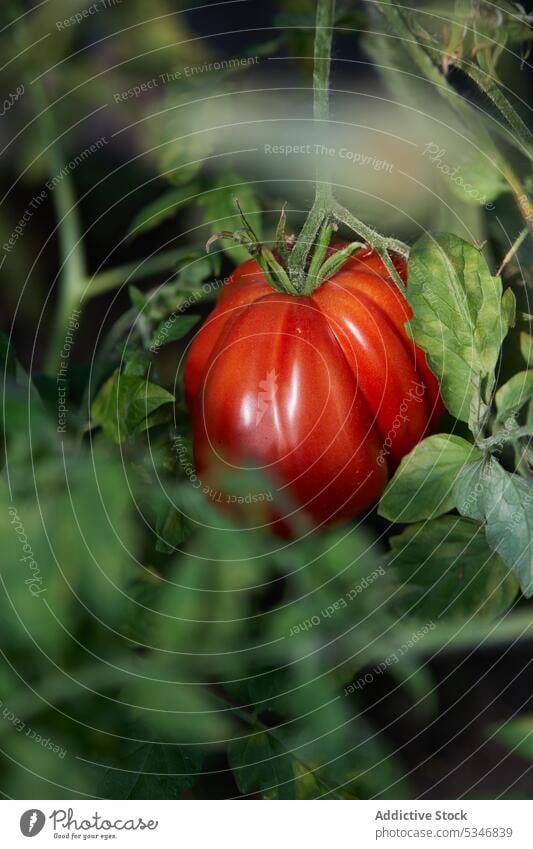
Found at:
<point>220,211</point>
<point>422,487</point>
<point>458,318</point>
<point>468,489</point>
<point>173,329</point>
<point>514,394</point>
<point>162,208</point>
<point>262,765</point>
<point>506,501</point>
<point>448,570</point>
<point>124,403</point>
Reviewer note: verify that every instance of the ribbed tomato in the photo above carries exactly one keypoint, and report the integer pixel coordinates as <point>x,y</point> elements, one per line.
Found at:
<point>324,393</point>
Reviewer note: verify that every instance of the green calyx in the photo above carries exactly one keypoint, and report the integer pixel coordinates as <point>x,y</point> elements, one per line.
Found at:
<point>323,263</point>
<point>273,270</point>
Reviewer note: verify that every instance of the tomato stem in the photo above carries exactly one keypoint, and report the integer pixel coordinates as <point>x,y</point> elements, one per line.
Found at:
<point>325,18</point>
<point>326,209</point>
<point>288,268</point>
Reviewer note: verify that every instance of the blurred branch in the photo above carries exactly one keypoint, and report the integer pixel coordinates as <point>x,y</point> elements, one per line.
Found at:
<point>392,14</point>
<point>62,687</point>
<point>487,85</point>
<point>111,279</point>
<point>72,257</point>
<point>512,250</point>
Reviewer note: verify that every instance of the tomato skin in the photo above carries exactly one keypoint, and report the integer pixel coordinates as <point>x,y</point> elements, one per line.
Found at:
<point>323,393</point>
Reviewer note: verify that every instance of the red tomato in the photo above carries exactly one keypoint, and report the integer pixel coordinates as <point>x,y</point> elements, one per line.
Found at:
<point>324,393</point>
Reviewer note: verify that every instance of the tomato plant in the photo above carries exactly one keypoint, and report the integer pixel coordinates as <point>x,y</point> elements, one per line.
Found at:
<point>325,393</point>
<point>268,506</point>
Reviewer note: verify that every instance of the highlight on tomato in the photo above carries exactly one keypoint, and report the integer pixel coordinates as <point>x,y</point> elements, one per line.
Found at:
<point>323,392</point>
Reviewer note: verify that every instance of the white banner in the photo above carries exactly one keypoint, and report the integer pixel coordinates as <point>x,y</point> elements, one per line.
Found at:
<point>231,824</point>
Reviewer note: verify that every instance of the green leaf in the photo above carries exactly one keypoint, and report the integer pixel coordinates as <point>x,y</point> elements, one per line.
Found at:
<point>76,561</point>
<point>508,310</point>
<point>162,263</point>
<point>517,735</point>
<point>183,151</point>
<point>172,528</point>
<point>136,361</point>
<point>160,416</point>
<point>27,428</point>
<point>168,706</point>
<point>526,348</point>
<point>220,212</point>
<point>514,394</point>
<point>162,208</point>
<point>422,487</point>
<point>174,328</point>
<point>124,403</point>
<point>261,765</point>
<point>468,489</point>
<point>152,771</point>
<point>197,271</point>
<point>448,570</point>
<point>137,298</point>
<point>458,318</point>
<point>505,501</point>
<point>477,181</point>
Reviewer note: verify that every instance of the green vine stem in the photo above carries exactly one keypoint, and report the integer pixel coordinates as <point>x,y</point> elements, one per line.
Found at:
<point>493,91</point>
<point>325,17</point>
<point>512,250</point>
<point>131,272</point>
<point>70,236</point>
<point>505,438</point>
<point>325,206</point>
<point>73,266</point>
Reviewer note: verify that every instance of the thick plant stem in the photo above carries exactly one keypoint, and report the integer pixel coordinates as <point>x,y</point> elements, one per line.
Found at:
<point>368,234</point>
<point>325,206</point>
<point>325,16</point>
<point>73,266</point>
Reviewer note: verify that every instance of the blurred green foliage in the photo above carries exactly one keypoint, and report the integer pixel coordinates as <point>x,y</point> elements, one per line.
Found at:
<point>152,645</point>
